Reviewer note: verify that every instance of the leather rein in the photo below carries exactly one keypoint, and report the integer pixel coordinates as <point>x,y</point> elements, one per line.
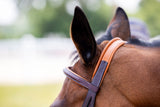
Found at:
<point>99,72</point>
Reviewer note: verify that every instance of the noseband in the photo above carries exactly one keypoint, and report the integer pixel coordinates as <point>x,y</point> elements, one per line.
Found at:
<point>99,72</point>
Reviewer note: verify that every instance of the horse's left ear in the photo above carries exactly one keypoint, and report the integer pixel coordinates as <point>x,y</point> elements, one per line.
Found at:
<point>119,25</point>
<point>82,36</point>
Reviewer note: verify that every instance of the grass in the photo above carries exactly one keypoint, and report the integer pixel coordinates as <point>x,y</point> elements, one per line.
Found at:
<point>28,96</point>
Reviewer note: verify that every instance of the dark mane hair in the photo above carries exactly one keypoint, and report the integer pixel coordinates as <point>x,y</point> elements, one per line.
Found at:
<point>154,43</point>
<point>107,36</point>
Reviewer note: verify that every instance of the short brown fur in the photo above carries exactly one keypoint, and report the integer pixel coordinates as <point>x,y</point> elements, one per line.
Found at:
<point>133,78</point>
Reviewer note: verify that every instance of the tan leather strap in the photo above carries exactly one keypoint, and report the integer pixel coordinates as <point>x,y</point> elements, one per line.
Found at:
<point>99,72</point>
<point>102,54</point>
<point>108,53</point>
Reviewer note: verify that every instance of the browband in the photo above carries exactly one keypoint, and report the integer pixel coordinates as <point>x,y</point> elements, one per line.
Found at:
<point>99,72</point>
<point>80,80</point>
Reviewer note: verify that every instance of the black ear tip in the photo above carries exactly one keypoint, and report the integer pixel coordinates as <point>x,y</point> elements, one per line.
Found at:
<point>78,15</point>
<point>77,10</point>
<point>121,12</point>
<point>119,8</point>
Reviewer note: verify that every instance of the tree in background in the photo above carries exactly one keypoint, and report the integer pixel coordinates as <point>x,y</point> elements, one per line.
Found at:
<point>149,12</point>
<point>43,17</point>
<point>53,18</point>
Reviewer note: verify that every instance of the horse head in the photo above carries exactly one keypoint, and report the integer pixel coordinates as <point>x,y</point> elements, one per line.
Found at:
<point>128,82</point>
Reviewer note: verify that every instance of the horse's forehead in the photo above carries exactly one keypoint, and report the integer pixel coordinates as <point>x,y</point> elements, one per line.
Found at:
<point>101,46</point>
<point>104,43</point>
<point>82,70</point>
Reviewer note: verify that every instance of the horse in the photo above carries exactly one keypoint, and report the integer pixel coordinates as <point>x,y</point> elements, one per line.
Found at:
<point>132,78</point>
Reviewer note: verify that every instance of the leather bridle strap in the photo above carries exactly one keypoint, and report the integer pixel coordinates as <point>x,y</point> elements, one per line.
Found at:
<point>99,73</point>
<point>80,80</point>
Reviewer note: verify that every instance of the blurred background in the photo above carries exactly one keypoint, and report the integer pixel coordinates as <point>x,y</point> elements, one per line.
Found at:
<point>35,44</point>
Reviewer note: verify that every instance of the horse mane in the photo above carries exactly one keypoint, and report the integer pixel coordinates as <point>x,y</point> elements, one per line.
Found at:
<point>107,36</point>
<point>155,43</point>
<point>134,41</point>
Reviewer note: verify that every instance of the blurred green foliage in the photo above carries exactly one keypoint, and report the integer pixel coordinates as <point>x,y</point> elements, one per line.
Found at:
<point>149,12</point>
<point>57,19</point>
<point>50,19</point>
<point>54,18</point>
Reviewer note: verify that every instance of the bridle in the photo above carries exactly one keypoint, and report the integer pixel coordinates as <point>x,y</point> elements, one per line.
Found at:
<point>99,72</point>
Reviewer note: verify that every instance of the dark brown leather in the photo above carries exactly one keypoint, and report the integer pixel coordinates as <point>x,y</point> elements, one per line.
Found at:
<point>70,74</point>
<point>91,96</point>
<point>100,72</point>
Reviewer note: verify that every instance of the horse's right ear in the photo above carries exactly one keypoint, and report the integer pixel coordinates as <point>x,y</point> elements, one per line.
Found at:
<point>82,36</point>
<point>119,25</point>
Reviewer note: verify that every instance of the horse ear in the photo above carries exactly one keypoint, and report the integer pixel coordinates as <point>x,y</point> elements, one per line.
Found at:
<point>82,36</point>
<point>119,25</point>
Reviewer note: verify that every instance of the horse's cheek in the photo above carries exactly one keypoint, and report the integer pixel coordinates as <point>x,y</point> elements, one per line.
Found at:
<point>76,94</point>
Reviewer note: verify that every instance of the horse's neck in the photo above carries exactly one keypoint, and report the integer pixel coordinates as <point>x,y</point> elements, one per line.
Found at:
<point>133,78</point>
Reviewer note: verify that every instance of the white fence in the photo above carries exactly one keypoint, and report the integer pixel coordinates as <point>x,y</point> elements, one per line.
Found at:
<point>34,61</point>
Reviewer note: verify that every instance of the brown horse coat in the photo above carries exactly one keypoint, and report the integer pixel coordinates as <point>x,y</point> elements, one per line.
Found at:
<point>133,78</point>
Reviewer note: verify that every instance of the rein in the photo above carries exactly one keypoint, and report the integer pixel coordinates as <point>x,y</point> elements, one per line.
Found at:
<point>99,72</point>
